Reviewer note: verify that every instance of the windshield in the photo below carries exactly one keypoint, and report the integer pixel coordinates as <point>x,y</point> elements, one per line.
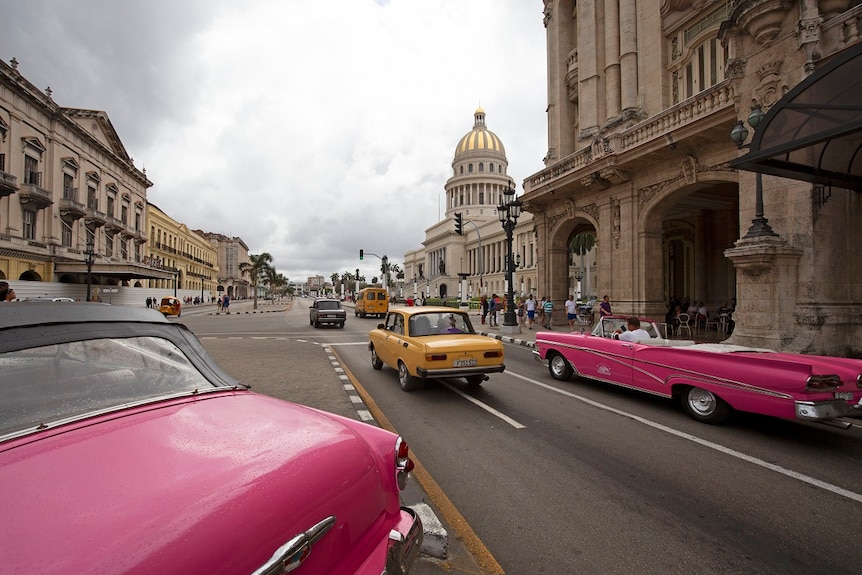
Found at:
<point>55,382</point>
<point>328,305</point>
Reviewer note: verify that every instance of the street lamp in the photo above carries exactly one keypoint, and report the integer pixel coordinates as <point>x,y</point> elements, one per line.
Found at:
<point>759,225</point>
<point>509,212</point>
<point>89,259</point>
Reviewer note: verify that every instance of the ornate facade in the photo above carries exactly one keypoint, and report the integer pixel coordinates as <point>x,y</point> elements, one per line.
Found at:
<point>642,98</point>
<point>65,181</point>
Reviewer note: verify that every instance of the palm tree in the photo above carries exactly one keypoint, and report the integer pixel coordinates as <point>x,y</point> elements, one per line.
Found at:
<point>581,245</point>
<point>256,268</point>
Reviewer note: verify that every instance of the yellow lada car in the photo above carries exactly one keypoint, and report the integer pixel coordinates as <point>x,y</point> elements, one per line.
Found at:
<point>433,342</point>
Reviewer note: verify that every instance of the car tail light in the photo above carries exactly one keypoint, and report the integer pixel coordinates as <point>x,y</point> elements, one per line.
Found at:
<point>403,463</point>
<point>859,381</point>
<point>822,383</point>
<point>493,354</point>
<point>435,356</point>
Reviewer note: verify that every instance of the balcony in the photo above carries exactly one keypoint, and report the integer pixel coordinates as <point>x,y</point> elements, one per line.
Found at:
<point>72,210</point>
<point>113,225</point>
<point>31,191</point>
<point>8,184</point>
<point>94,219</point>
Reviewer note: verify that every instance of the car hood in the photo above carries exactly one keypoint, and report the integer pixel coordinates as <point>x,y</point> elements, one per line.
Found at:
<point>197,486</point>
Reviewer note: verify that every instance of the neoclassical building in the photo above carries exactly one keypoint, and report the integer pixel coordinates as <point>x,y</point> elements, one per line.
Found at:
<point>193,257</point>
<point>66,181</point>
<point>450,265</point>
<point>643,96</point>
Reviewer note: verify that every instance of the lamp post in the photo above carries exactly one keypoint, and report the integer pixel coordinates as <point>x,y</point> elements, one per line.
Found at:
<point>89,259</point>
<point>509,212</point>
<point>759,225</point>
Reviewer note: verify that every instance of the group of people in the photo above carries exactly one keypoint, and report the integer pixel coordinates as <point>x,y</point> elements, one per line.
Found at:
<point>698,314</point>
<point>529,311</point>
<point>6,292</point>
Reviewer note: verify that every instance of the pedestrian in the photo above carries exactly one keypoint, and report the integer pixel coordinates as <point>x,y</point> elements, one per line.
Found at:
<point>521,311</point>
<point>531,311</point>
<point>225,304</point>
<point>6,292</point>
<point>605,307</point>
<point>571,312</point>
<point>483,304</point>
<point>492,310</point>
<point>547,311</point>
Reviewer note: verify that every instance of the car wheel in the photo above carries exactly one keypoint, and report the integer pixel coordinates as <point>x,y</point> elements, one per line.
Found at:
<point>407,381</point>
<point>341,325</point>
<point>559,367</point>
<point>704,406</point>
<point>475,380</point>
<point>376,362</point>
<point>316,324</point>
<point>310,321</point>
<point>355,313</point>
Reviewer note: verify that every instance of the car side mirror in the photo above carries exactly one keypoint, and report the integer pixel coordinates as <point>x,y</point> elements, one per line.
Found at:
<point>380,326</point>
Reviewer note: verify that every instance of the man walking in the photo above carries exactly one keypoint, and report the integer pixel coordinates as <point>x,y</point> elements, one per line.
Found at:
<point>571,312</point>
<point>531,311</point>
<point>547,308</point>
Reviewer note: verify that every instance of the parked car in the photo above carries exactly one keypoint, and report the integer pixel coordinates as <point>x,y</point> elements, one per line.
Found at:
<point>51,299</point>
<point>710,379</point>
<point>326,311</point>
<point>125,449</point>
<point>433,342</point>
<point>371,301</point>
<point>170,306</point>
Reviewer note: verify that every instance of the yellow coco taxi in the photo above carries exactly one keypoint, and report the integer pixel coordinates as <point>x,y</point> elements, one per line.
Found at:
<point>433,342</point>
<point>170,306</point>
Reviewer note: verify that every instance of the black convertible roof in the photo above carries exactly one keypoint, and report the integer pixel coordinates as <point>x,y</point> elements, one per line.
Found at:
<point>20,314</point>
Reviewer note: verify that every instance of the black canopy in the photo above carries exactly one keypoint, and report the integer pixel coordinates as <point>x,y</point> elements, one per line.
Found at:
<point>814,133</point>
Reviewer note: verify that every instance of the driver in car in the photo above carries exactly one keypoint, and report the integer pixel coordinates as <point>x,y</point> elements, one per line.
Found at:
<point>634,331</point>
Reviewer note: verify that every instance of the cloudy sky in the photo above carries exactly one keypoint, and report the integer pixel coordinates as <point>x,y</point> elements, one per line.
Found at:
<point>308,128</point>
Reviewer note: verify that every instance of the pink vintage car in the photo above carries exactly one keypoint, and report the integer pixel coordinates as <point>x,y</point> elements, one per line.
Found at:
<point>711,380</point>
<point>125,449</point>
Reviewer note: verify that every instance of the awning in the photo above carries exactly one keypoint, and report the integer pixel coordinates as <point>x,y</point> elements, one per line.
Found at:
<point>814,133</point>
<point>119,271</point>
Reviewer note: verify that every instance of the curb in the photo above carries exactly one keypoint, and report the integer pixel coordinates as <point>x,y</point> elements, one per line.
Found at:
<point>509,339</point>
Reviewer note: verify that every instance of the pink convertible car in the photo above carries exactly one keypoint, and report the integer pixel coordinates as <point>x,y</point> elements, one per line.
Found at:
<point>710,379</point>
<point>125,449</point>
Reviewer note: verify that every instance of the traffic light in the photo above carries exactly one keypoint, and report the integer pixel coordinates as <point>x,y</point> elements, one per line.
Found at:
<point>361,254</point>
<point>459,224</point>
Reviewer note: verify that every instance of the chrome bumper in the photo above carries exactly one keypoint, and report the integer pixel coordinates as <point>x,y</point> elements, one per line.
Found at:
<point>830,409</point>
<point>404,543</point>
<point>457,371</point>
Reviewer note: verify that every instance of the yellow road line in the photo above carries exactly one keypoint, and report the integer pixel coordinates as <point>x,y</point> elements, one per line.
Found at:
<point>451,515</point>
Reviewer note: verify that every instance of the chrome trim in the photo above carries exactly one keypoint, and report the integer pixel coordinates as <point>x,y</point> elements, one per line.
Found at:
<point>828,409</point>
<point>457,371</point>
<point>291,555</point>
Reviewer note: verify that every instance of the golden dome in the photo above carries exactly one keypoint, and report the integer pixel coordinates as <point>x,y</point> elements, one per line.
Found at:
<point>480,139</point>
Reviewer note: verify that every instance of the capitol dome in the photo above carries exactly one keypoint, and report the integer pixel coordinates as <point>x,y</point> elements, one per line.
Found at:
<point>480,139</point>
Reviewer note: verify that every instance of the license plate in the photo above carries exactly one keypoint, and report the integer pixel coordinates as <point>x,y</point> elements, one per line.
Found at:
<point>465,363</point>
<point>846,395</point>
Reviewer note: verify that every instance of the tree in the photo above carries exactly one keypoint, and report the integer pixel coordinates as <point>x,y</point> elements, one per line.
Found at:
<point>257,268</point>
<point>581,245</point>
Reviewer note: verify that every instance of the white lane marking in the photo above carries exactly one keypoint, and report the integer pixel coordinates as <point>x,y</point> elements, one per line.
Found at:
<point>486,407</point>
<point>726,450</point>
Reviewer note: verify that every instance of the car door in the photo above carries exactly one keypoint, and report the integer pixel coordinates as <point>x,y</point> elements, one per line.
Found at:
<point>607,359</point>
<point>393,337</point>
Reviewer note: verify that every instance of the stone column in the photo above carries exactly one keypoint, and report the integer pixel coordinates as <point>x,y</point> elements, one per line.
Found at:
<point>612,59</point>
<point>588,90</point>
<point>628,55</point>
<point>766,291</point>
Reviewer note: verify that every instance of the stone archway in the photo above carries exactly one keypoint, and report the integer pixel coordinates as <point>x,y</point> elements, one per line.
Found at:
<point>560,271</point>
<point>30,276</point>
<point>687,227</point>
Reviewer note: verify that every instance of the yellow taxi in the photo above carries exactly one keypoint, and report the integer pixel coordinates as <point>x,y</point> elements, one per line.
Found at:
<point>432,343</point>
<point>170,306</point>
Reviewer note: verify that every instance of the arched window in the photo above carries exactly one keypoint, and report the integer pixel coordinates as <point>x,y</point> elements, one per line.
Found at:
<point>470,168</point>
<point>481,167</point>
<point>491,168</point>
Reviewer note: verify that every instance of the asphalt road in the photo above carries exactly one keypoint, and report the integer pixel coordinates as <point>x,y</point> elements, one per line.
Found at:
<point>578,477</point>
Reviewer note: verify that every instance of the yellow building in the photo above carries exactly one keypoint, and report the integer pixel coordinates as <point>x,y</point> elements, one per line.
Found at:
<point>191,258</point>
